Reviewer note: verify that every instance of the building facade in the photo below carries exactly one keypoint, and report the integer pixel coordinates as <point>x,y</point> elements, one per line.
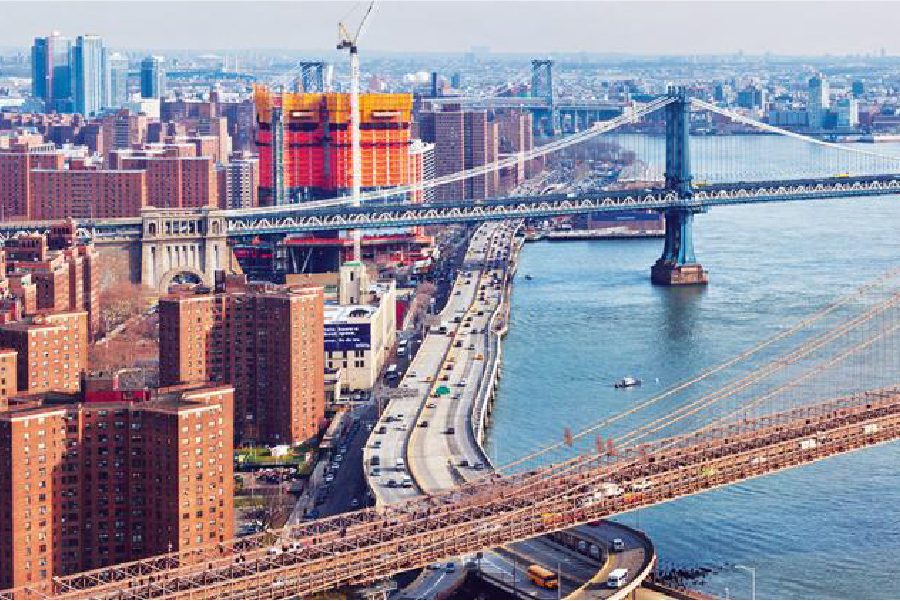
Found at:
<point>89,76</point>
<point>153,77</point>
<point>52,351</point>
<point>264,340</point>
<point>85,485</point>
<point>304,146</point>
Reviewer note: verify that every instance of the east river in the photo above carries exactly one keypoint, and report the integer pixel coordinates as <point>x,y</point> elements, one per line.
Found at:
<point>590,315</point>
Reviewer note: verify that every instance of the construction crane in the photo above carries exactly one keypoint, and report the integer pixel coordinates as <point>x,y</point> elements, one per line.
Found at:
<point>350,43</point>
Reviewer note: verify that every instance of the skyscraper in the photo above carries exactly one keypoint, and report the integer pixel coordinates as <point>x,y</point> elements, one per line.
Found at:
<point>88,75</point>
<point>50,72</point>
<point>819,100</point>
<point>153,77</point>
<point>41,69</point>
<point>117,75</point>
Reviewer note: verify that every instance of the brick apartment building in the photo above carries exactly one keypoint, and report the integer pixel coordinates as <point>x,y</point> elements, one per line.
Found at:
<point>177,176</point>
<point>463,139</point>
<point>87,193</point>
<point>16,165</point>
<point>53,274</point>
<point>89,484</point>
<point>51,351</point>
<point>265,340</point>
<point>238,182</point>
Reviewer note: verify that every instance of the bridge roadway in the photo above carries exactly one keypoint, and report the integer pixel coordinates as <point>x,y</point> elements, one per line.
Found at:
<point>333,214</point>
<point>371,544</point>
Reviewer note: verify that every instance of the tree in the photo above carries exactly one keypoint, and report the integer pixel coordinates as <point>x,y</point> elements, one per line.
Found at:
<point>121,301</point>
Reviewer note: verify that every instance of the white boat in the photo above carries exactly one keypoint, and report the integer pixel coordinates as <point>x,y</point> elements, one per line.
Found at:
<point>628,382</point>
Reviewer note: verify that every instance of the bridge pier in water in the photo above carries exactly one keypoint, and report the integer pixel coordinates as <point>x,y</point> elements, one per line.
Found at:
<point>678,266</point>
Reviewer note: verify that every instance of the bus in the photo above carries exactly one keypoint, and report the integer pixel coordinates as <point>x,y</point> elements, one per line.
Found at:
<point>542,577</point>
<point>617,578</point>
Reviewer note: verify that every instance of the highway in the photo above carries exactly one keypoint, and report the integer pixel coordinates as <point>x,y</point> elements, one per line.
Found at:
<point>438,460</point>
<point>432,432</point>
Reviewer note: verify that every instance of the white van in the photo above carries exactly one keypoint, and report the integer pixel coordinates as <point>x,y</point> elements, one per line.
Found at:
<point>617,578</point>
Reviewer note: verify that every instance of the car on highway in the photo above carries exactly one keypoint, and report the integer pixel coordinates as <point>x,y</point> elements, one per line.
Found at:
<point>618,544</point>
<point>329,478</point>
<point>338,458</point>
<point>451,567</point>
<point>477,466</point>
<point>406,482</point>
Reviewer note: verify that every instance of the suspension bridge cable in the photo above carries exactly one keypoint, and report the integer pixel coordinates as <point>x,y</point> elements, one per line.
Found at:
<point>595,130</point>
<point>772,367</point>
<point>734,116</point>
<point>821,367</point>
<point>862,290</point>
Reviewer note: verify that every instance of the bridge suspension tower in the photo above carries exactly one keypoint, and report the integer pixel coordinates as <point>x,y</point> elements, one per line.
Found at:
<point>678,266</point>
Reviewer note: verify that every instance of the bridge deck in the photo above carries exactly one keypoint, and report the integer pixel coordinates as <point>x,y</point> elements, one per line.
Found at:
<point>368,545</point>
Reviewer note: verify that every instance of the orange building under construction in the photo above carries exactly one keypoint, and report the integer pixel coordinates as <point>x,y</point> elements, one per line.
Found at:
<point>305,154</point>
<point>305,151</point>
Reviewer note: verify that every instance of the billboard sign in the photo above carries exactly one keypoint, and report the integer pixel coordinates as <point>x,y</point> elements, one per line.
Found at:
<point>347,337</point>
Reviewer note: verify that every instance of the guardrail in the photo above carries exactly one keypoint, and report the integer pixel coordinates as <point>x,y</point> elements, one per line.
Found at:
<point>494,351</point>
<point>646,568</point>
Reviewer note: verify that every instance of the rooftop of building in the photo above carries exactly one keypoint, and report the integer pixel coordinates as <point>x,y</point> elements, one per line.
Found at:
<point>339,313</point>
<point>171,400</point>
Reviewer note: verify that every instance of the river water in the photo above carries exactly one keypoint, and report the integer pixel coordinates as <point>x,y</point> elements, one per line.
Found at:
<point>590,316</point>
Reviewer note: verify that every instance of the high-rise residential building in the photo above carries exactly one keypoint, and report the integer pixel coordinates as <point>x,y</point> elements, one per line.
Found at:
<point>238,183</point>
<point>818,101</point>
<point>52,350</point>
<point>88,193</point>
<point>265,340</point>
<point>16,167</point>
<point>89,75</point>
<point>176,178</point>
<point>65,273</point>
<point>446,129</point>
<point>462,140</point>
<point>153,77</point>
<point>88,483</point>
<point>117,77</point>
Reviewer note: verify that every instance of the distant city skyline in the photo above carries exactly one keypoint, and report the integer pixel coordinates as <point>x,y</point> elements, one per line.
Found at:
<point>675,28</point>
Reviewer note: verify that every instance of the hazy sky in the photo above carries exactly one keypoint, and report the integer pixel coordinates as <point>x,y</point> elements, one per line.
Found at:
<point>508,26</point>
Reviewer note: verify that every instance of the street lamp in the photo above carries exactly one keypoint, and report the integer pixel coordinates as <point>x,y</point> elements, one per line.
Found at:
<point>752,580</point>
